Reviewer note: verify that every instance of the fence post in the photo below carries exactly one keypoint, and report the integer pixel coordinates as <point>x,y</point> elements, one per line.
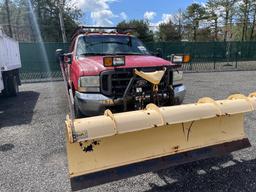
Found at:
<point>214,56</point>
<point>236,60</point>
<point>191,55</point>
<point>190,63</point>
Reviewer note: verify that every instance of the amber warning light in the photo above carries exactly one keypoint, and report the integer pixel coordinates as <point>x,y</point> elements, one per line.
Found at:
<point>178,59</point>
<point>114,61</point>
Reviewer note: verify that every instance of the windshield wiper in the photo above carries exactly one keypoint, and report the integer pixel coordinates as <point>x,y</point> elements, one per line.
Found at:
<point>103,54</point>
<point>106,42</point>
<point>130,54</point>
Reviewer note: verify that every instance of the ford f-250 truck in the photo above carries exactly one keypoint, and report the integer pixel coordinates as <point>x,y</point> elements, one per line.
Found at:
<point>109,70</point>
<point>10,64</point>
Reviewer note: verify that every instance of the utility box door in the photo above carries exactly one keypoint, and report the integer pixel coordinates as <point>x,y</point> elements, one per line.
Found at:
<point>9,53</point>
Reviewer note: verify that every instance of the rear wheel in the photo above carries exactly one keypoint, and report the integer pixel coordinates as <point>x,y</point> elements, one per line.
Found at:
<point>11,86</point>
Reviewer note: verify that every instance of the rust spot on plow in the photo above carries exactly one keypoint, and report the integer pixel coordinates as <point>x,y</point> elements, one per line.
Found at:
<point>227,114</point>
<point>176,148</point>
<point>88,147</point>
<point>95,142</point>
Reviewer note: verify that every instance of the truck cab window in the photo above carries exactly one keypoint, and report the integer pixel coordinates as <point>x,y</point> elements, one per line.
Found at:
<point>110,45</point>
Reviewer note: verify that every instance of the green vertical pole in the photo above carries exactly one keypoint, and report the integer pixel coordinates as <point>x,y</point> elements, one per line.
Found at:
<point>191,68</point>
<point>236,65</point>
<point>214,56</point>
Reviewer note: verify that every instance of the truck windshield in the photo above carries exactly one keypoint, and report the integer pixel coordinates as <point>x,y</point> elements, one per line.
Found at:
<point>110,45</point>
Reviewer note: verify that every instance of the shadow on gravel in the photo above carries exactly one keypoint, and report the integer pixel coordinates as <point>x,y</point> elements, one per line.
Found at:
<point>218,174</point>
<point>6,147</point>
<point>17,110</point>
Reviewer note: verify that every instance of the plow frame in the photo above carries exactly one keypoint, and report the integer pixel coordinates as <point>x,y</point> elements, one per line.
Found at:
<point>91,166</point>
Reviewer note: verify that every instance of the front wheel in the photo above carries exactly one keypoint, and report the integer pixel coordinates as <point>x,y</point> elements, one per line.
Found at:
<point>78,113</point>
<point>11,86</point>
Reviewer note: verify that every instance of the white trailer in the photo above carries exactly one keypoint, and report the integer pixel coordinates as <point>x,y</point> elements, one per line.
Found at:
<point>10,64</point>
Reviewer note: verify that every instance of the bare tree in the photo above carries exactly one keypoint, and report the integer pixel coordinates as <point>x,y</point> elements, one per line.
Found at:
<point>8,17</point>
<point>178,21</point>
<point>253,11</point>
<point>61,4</point>
<point>227,9</point>
<point>193,15</point>
<point>212,16</point>
<point>245,10</point>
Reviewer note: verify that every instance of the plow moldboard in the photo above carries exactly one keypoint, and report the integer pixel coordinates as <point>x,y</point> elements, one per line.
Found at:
<point>121,156</point>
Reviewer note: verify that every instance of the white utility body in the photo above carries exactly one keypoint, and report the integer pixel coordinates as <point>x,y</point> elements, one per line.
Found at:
<point>10,63</point>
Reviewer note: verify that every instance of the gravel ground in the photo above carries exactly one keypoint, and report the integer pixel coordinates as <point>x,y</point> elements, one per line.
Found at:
<point>32,143</point>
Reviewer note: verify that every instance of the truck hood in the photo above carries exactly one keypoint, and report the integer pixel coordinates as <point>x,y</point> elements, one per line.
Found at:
<point>94,65</point>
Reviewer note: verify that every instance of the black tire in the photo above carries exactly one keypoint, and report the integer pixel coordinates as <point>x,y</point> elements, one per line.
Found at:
<point>14,86</point>
<point>11,86</point>
<point>78,113</point>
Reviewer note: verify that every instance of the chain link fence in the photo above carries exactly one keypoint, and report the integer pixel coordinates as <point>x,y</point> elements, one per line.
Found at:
<point>39,60</point>
<point>211,56</point>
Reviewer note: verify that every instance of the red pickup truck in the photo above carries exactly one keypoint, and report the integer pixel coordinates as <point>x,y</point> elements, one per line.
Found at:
<point>100,74</point>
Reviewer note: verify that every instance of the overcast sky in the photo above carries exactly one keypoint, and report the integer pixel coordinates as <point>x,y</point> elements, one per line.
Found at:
<point>110,12</point>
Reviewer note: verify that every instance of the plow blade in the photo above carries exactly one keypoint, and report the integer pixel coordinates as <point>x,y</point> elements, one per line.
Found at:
<point>114,146</point>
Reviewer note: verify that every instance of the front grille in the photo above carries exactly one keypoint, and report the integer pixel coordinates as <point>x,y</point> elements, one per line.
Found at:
<point>115,82</point>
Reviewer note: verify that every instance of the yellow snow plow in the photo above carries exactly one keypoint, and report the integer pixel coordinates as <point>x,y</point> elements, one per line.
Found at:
<point>110,147</point>
<point>144,137</point>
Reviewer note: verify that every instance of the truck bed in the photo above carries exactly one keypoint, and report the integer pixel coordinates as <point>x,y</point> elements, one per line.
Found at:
<point>9,53</point>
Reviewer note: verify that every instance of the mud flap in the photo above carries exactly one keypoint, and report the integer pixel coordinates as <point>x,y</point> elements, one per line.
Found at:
<point>115,146</point>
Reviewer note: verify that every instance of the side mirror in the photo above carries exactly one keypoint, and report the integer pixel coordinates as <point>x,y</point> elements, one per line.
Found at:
<point>67,58</point>
<point>59,55</point>
<point>158,52</point>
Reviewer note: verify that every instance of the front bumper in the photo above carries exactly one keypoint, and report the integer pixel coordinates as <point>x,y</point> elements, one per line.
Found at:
<point>95,103</point>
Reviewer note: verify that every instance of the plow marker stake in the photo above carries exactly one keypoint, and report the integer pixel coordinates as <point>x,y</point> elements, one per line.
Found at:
<point>115,146</point>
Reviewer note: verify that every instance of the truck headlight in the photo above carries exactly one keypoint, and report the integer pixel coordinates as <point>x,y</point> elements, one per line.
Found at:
<point>89,84</point>
<point>177,77</point>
